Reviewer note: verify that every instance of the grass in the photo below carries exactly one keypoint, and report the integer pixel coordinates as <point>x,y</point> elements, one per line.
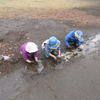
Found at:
<point>42,4</point>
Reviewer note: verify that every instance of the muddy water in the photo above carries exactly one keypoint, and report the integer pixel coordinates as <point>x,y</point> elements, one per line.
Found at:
<point>14,83</point>
<point>90,46</point>
<point>34,69</point>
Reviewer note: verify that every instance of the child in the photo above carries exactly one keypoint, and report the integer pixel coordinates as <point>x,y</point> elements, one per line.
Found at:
<point>52,47</point>
<point>29,49</point>
<point>74,38</point>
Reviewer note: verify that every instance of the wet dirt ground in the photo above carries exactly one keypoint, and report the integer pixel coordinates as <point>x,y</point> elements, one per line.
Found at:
<point>76,79</point>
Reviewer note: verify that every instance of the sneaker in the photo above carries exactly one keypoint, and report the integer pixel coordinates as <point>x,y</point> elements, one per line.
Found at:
<point>46,54</point>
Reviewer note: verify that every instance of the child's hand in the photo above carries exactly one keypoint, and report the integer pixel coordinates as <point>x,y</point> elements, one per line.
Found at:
<point>28,61</point>
<point>70,47</point>
<point>58,56</point>
<point>55,57</point>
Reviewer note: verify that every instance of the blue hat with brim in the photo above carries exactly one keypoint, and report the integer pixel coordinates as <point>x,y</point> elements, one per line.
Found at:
<point>81,39</point>
<point>79,35</point>
<point>55,46</point>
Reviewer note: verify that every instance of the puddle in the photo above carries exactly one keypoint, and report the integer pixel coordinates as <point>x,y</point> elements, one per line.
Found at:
<point>73,54</point>
<point>93,44</point>
<point>56,65</point>
<point>34,69</point>
<point>88,47</point>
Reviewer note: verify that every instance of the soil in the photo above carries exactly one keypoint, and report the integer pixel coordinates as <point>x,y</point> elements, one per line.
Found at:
<point>15,32</point>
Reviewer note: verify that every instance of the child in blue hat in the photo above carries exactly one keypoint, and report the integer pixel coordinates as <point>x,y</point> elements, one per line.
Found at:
<point>52,47</point>
<point>74,37</point>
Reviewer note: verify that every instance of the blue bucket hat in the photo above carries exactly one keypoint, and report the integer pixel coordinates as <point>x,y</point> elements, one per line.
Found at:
<point>80,35</point>
<point>53,42</point>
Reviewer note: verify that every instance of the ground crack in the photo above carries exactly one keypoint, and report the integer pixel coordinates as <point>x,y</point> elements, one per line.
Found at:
<point>53,91</point>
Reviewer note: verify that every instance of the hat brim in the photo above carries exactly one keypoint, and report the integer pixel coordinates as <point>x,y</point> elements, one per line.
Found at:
<point>31,47</point>
<point>55,46</point>
<point>81,39</point>
<point>33,50</point>
<point>76,35</point>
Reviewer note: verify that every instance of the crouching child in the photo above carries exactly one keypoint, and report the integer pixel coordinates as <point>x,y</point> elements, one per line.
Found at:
<point>74,38</point>
<point>28,50</point>
<point>52,48</point>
